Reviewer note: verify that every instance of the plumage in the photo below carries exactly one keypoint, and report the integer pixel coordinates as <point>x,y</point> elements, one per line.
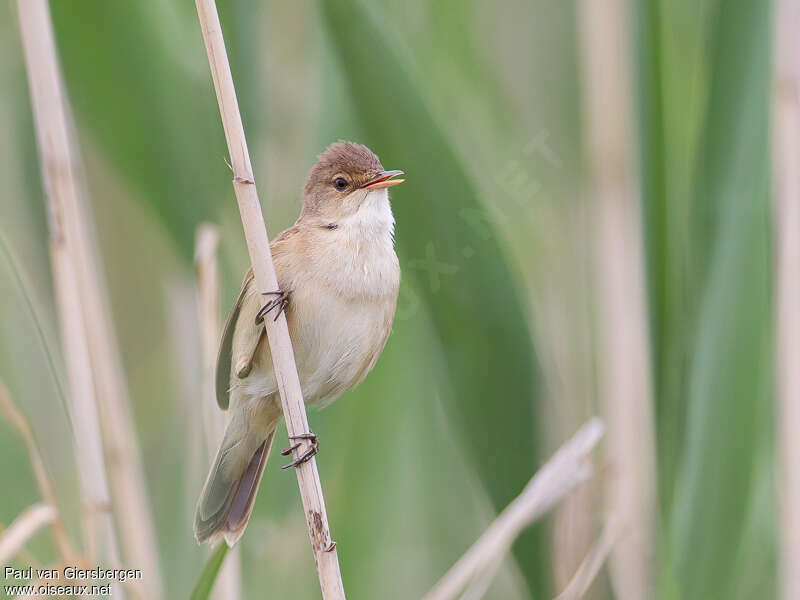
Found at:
<point>338,264</point>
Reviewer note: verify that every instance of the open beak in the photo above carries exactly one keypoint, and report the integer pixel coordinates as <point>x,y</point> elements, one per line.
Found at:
<point>383,180</point>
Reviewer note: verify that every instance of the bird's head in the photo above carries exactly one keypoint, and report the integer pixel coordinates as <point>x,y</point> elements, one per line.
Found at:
<point>347,177</point>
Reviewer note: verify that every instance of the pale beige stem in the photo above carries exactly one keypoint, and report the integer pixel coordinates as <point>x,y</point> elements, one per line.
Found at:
<point>59,178</point>
<point>568,467</point>
<point>23,555</point>
<point>483,581</point>
<point>591,565</point>
<point>207,274</point>
<point>24,528</point>
<point>20,423</point>
<point>60,163</point>
<point>623,351</point>
<point>228,584</point>
<point>324,548</point>
<point>786,199</point>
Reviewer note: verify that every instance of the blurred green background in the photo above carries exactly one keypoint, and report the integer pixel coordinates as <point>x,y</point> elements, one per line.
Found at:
<point>492,363</point>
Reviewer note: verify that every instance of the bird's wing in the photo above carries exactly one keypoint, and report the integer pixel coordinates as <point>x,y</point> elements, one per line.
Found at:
<point>240,343</point>
<point>224,357</point>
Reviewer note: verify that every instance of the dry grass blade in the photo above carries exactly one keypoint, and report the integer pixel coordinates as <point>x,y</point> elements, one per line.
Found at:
<point>20,423</point>
<point>34,313</point>
<point>786,198</point>
<point>23,555</point>
<point>23,528</point>
<point>482,582</point>
<point>325,554</point>
<point>568,467</point>
<point>591,565</point>
<point>59,173</point>
<point>207,273</point>
<point>228,584</point>
<point>624,355</point>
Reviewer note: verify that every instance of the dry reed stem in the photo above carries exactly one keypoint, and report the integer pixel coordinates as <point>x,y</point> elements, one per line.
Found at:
<point>591,565</point>
<point>567,468</point>
<point>786,200</point>
<point>126,472</point>
<point>59,168</point>
<point>23,528</point>
<point>59,155</point>
<point>228,584</point>
<point>624,355</point>
<point>24,555</point>
<point>20,423</point>
<point>483,581</point>
<point>324,548</point>
<point>207,275</point>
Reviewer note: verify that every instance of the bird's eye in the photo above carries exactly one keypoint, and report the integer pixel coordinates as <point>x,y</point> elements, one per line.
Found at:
<point>340,183</point>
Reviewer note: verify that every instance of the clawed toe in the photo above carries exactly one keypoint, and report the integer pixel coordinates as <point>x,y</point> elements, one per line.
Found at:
<point>306,456</point>
<point>280,301</point>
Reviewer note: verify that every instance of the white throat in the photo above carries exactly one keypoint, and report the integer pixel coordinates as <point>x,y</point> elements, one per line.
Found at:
<point>373,219</point>
<point>362,262</point>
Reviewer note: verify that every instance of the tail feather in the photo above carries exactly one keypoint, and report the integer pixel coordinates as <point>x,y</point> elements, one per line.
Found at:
<point>245,494</point>
<point>229,493</point>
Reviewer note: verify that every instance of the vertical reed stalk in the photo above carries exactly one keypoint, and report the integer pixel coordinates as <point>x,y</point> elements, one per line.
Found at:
<point>324,548</point>
<point>207,275</point>
<point>625,383</point>
<point>126,472</point>
<point>70,221</point>
<point>58,168</point>
<point>228,583</point>
<point>786,198</point>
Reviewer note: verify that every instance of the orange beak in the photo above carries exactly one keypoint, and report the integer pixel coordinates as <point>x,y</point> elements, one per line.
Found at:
<point>383,180</point>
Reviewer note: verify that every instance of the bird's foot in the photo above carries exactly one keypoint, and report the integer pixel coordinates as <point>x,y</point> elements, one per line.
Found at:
<point>280,301</point>
<point>306,456</point>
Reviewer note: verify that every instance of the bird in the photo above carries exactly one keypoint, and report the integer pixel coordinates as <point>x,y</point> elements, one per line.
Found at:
<point>338,277</point>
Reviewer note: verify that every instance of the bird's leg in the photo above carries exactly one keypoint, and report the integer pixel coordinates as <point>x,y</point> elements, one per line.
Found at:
<point>280,301</point>
<point>310,436</point>
<point>245,364</point>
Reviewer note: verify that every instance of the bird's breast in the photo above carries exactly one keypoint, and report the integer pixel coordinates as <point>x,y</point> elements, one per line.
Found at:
<point>355,263</point>
<point>337,340</point>
<point>344,283</point>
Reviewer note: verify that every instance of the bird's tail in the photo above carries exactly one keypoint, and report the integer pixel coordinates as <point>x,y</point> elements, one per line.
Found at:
<point>230,490</point>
